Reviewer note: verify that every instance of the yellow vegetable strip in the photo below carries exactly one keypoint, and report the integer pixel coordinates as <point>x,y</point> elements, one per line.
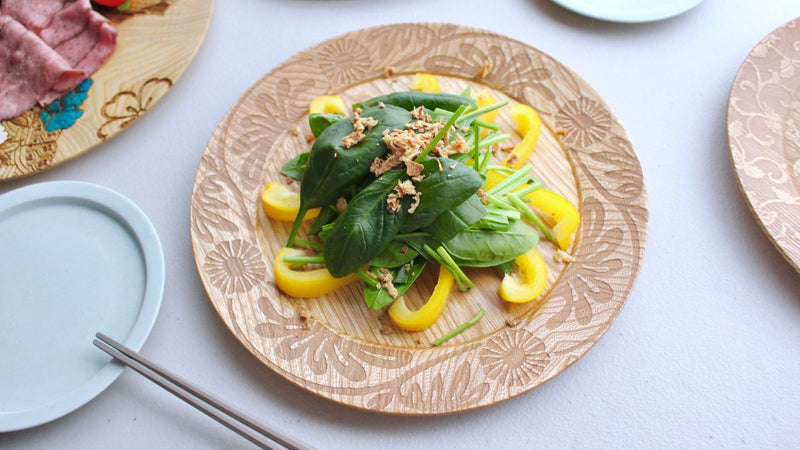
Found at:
<point>561,210</point>
<point>283,205</point>
<point>427,315</point>
<point>530,282</point>
<point>305,284</point>
<point>332,104</point>
<point>528,124</point>
<point>425,82</point>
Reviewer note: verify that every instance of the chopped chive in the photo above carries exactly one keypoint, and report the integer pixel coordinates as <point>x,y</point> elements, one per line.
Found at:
<point>433,255</point>
<point>415,234</point>
<point>303,243</point>
<point>494,138</point>
<point>530,215</point>
<point>441,133</point>
<point>498,168</point>
<point>517,178</point>
<point>460,329</point>
<point>484,110</point>
<point>485,124</point>
<point>367,279</point>
<point>316,259</point>
<point>453,266</point>
<point>500,203</point>
<point>522,192</point>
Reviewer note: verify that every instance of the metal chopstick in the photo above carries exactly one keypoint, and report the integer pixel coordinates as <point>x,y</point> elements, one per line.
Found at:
<point>214,408</point>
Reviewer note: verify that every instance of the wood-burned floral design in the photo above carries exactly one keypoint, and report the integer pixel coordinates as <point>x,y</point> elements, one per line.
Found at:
<point>343,61</point>
<point>28,147</point>
<point>514,357</point>
<point>234,266</point>
<point>125,107</point>
<point>585,121</point>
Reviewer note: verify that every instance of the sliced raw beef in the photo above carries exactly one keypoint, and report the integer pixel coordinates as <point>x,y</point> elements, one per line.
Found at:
<point>70,28</point>
<point>87,50</point>
<point>29,69</point>
<point>67,23</point>
<point>34,14</point>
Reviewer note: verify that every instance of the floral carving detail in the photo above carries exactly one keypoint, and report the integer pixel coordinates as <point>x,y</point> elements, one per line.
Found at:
<point>458,392</point>
<point>600,265</point>
<point>514,358</point>
<point>28,147</point>
<point>585,121</point>
<point>208,205</point>
<point>764,135</point>
<point>344,61</point>
<point>125,107</point>
<point>234,266</point>
<point>516,72</point>
<point>320,349</point>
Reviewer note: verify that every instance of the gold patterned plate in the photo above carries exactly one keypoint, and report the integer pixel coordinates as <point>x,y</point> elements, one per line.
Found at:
<point>154,47</point>
<point>764,136</point>
<point>336,346</point>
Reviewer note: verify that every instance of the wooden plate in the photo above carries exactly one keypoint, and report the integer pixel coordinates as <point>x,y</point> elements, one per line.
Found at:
<point>334,346</point>
<point>154,47</point>
<point>764,136</point>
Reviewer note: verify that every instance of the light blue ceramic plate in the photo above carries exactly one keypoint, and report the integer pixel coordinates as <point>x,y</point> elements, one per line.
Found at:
<point>629,10</point>
<point>75,259</point>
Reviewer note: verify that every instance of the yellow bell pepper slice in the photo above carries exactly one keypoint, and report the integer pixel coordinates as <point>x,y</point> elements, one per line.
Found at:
<point>281,204</point>
<point>425,82</point>
<point>427,315</point>
<point>332,104</point>
<point>530,282</point>
<point>528,124</point>
<point>484,99</point>
<point>563,212</point>
<point>305,283</point>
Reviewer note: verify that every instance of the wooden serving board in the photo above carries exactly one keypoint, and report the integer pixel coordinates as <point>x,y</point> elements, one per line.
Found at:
<point>335,345</point>
<point>154,48</point>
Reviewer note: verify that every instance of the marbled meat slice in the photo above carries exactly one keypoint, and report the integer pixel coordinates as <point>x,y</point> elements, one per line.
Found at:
<point>29,69</point>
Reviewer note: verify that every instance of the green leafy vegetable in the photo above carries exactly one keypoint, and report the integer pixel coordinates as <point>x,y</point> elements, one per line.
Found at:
<point>332,169</point>
<point>365,227</point>
<point>395,254</point>
<point>319,122</point>
<point>441,191</point>
<point>409,100</point>
<point>456,220</point>
<point>294,167</point>
<point>378,298</point>
<point>484,248</point>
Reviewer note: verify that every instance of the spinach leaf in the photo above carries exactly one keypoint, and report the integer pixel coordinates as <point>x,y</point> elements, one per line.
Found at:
<point>441,191</point>
<point>393,256</point>
<point>456,220</point>
<point>365,227</point>
<point>319,122</point>
<point>326,215</point>
<point>294,167</point>
<point>485,248</point>
<point>377,298</point>
<point>332,169</point>
<point>409,100</point>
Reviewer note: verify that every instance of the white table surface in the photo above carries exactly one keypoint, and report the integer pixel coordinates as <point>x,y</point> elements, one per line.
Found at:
<point>705,352</point>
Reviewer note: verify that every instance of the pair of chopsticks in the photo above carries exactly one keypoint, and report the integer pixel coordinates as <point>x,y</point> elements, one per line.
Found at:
<point>214,408</point>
